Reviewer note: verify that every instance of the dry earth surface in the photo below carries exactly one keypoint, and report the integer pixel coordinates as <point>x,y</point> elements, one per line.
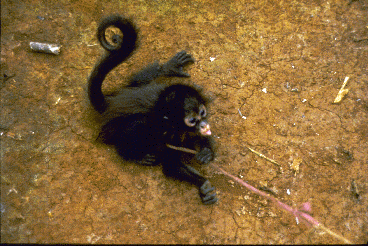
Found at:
<point>273,69</point>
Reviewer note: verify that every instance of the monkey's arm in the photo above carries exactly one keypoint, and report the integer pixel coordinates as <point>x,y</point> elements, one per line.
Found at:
<point>172,68</point>
<point>205,147</point>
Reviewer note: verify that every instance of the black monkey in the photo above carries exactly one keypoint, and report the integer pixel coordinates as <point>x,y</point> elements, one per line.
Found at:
<point>145,116</point>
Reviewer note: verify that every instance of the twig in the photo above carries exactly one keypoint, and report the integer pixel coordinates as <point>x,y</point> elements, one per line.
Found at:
<point>306,218</point>
<point>342,92</point>
<point>263,156</point>
<point>182,149</point>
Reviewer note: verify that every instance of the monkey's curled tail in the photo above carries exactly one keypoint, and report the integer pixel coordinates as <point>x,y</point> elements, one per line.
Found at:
<point>116,54</point>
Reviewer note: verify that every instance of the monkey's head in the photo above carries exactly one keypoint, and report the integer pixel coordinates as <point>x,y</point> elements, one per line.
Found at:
<point>183,107</point>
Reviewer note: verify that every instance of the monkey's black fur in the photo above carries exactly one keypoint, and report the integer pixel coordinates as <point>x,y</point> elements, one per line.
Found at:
<point>144,116</point>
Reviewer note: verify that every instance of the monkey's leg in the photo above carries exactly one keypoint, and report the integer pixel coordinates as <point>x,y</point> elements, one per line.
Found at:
<point>189,174</point>
<point>146,76</point>
<point>174,67</point>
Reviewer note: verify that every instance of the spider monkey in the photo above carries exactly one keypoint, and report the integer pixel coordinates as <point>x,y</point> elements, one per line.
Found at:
<point>145,116</point>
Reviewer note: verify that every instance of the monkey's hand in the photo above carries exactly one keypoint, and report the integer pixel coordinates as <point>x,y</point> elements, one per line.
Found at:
<point>207,194</point>
<point>174,67</point>
<point>205,155</point>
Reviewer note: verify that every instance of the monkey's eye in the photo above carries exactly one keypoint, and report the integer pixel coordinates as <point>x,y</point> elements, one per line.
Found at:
<point>190,121</point>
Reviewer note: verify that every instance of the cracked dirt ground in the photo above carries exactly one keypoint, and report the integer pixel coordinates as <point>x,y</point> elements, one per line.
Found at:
<point>279,64</point>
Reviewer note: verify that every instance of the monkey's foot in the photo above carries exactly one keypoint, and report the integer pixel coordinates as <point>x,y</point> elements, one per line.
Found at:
<point>148,160</point>
<point>207,195</point>
<point>174,67</point>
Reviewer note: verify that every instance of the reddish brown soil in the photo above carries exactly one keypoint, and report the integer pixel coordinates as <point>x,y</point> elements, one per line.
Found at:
<point>280,64</point>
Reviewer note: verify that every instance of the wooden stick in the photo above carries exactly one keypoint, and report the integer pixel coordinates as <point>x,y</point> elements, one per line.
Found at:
<point>182,149</point>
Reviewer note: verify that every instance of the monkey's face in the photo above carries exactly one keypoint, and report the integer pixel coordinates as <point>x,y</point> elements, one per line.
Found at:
<point>196,120</point>
<point>184,109</point>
